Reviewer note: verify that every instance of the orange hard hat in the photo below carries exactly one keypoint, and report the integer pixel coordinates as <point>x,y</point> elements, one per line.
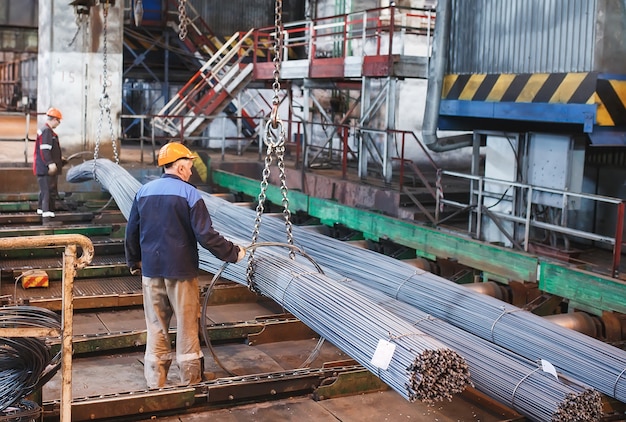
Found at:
<point>172,152</point>
<point>54,112</point>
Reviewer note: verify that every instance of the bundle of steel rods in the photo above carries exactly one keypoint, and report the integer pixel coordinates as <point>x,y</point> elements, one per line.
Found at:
<point>26,363</point>
<point>501,374</point>
<point>419,367</point>
<point>579,357</point>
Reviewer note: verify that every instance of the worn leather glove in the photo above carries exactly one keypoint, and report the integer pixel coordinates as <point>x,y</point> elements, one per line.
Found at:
<point>241,254</point>
<point>136,269</point>
<point>52,169</point>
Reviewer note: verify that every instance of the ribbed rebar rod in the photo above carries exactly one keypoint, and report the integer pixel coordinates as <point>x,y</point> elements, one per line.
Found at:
<point>579,357</point>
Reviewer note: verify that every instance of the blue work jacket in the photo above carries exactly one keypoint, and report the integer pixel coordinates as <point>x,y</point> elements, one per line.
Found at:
<point>167,220</point>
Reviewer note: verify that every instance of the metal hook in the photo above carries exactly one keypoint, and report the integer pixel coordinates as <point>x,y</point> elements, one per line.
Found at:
<point>274,116</point>
<point>276,133</point>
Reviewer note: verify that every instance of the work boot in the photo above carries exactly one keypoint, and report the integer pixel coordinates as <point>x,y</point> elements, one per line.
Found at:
<point>156,373</point>
<point>190,371</point>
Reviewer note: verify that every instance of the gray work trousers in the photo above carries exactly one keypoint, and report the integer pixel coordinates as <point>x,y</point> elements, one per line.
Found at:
<point>48,192</point>
<point>164,298</point>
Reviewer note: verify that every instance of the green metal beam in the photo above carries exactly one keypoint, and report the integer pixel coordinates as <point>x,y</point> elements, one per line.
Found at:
<point>591,292</point>
<point>298,201</point>
<point>426,241</point>
<point>92,230</point>
<point>116,341</point>
<point>14,206</point>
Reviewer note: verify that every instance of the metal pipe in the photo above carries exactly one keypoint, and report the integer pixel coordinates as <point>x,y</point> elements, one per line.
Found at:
<point>489,288</point>
<point>436,71</point>
<point>70,265</point>
<point>577,321</point>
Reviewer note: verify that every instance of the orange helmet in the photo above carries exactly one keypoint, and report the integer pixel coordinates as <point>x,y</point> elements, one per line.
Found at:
<point>172,152</point>
<point>54,112</point>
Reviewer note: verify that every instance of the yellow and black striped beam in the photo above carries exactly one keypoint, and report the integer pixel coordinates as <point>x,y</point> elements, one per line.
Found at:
<point>609,94</point>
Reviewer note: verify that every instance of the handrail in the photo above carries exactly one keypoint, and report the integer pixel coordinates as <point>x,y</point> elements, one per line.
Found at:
<point>371,24</point>
<point>215,74</point>
<point>528,192</point>
<point>70,265</point>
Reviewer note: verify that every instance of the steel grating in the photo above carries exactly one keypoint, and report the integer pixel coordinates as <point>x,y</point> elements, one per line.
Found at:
<point>56,262</point>
<point>82,287</point>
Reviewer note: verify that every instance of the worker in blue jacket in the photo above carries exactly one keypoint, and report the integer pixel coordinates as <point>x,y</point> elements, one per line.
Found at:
<point>167,220</point>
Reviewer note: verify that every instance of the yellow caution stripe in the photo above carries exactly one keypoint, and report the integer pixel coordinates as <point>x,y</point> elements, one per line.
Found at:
<point>553,88</point>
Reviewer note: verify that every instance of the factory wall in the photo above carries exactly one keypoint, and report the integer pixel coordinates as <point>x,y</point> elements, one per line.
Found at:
<point>71,73</point>
<point>522,36</point>
<point>225,18</point>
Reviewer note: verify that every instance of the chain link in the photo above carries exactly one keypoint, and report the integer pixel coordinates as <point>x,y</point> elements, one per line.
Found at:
<point>105,100</point>
<point>278,49</point>
<point>260,207</point>
<point>80,18</point>
<point>183,20</point>
<point>275,141</point>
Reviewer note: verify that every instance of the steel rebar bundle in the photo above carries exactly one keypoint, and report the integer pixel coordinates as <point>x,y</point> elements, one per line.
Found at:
<point>579,357</point>
<point>496,371</point>
<point>420,367</point>
<point>501,374</point>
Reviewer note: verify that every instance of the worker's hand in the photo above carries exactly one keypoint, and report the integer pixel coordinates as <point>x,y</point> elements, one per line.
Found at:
<point>136,269</point>
<point>241,254</point>
<point>64,161</point>
<point>52,169</point>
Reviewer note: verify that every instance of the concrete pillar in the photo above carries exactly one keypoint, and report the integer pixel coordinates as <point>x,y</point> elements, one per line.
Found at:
<point>71,72</point>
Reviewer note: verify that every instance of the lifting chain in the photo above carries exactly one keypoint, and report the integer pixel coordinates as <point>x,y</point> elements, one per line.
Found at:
<point>182,19</point>
<point>80,19</point>
<point>275,141</point>
<point>105,100</point>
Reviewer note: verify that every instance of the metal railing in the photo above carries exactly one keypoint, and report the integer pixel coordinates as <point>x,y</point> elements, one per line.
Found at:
<point>71,263</point>
<point>525,218</point>
<point>372,32</point>
<point>155,137</point>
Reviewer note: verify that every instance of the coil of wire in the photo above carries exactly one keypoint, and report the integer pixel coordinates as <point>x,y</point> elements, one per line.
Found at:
<point>26,363</point>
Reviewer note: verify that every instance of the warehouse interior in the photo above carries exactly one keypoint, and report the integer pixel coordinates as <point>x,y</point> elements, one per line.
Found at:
<point>431,193</point>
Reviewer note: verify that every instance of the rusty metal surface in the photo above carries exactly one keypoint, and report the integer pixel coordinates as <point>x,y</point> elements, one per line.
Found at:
<point>349,383</point>
<point>82,287</point>
<point>287,330</point>
<point>145,403</point>
<point>56,262</point>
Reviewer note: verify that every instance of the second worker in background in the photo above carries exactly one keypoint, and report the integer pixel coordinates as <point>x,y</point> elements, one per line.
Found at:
<point>47,163</point>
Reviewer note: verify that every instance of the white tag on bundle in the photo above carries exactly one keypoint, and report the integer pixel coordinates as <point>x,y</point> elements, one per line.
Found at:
<point>383,354</point>
<point>549,368</point>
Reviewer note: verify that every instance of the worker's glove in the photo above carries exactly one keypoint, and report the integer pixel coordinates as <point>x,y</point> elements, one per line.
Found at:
<point>136,269</point>
<point>241,254</point>
<point>64,161</point>
<point>52,169</point>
